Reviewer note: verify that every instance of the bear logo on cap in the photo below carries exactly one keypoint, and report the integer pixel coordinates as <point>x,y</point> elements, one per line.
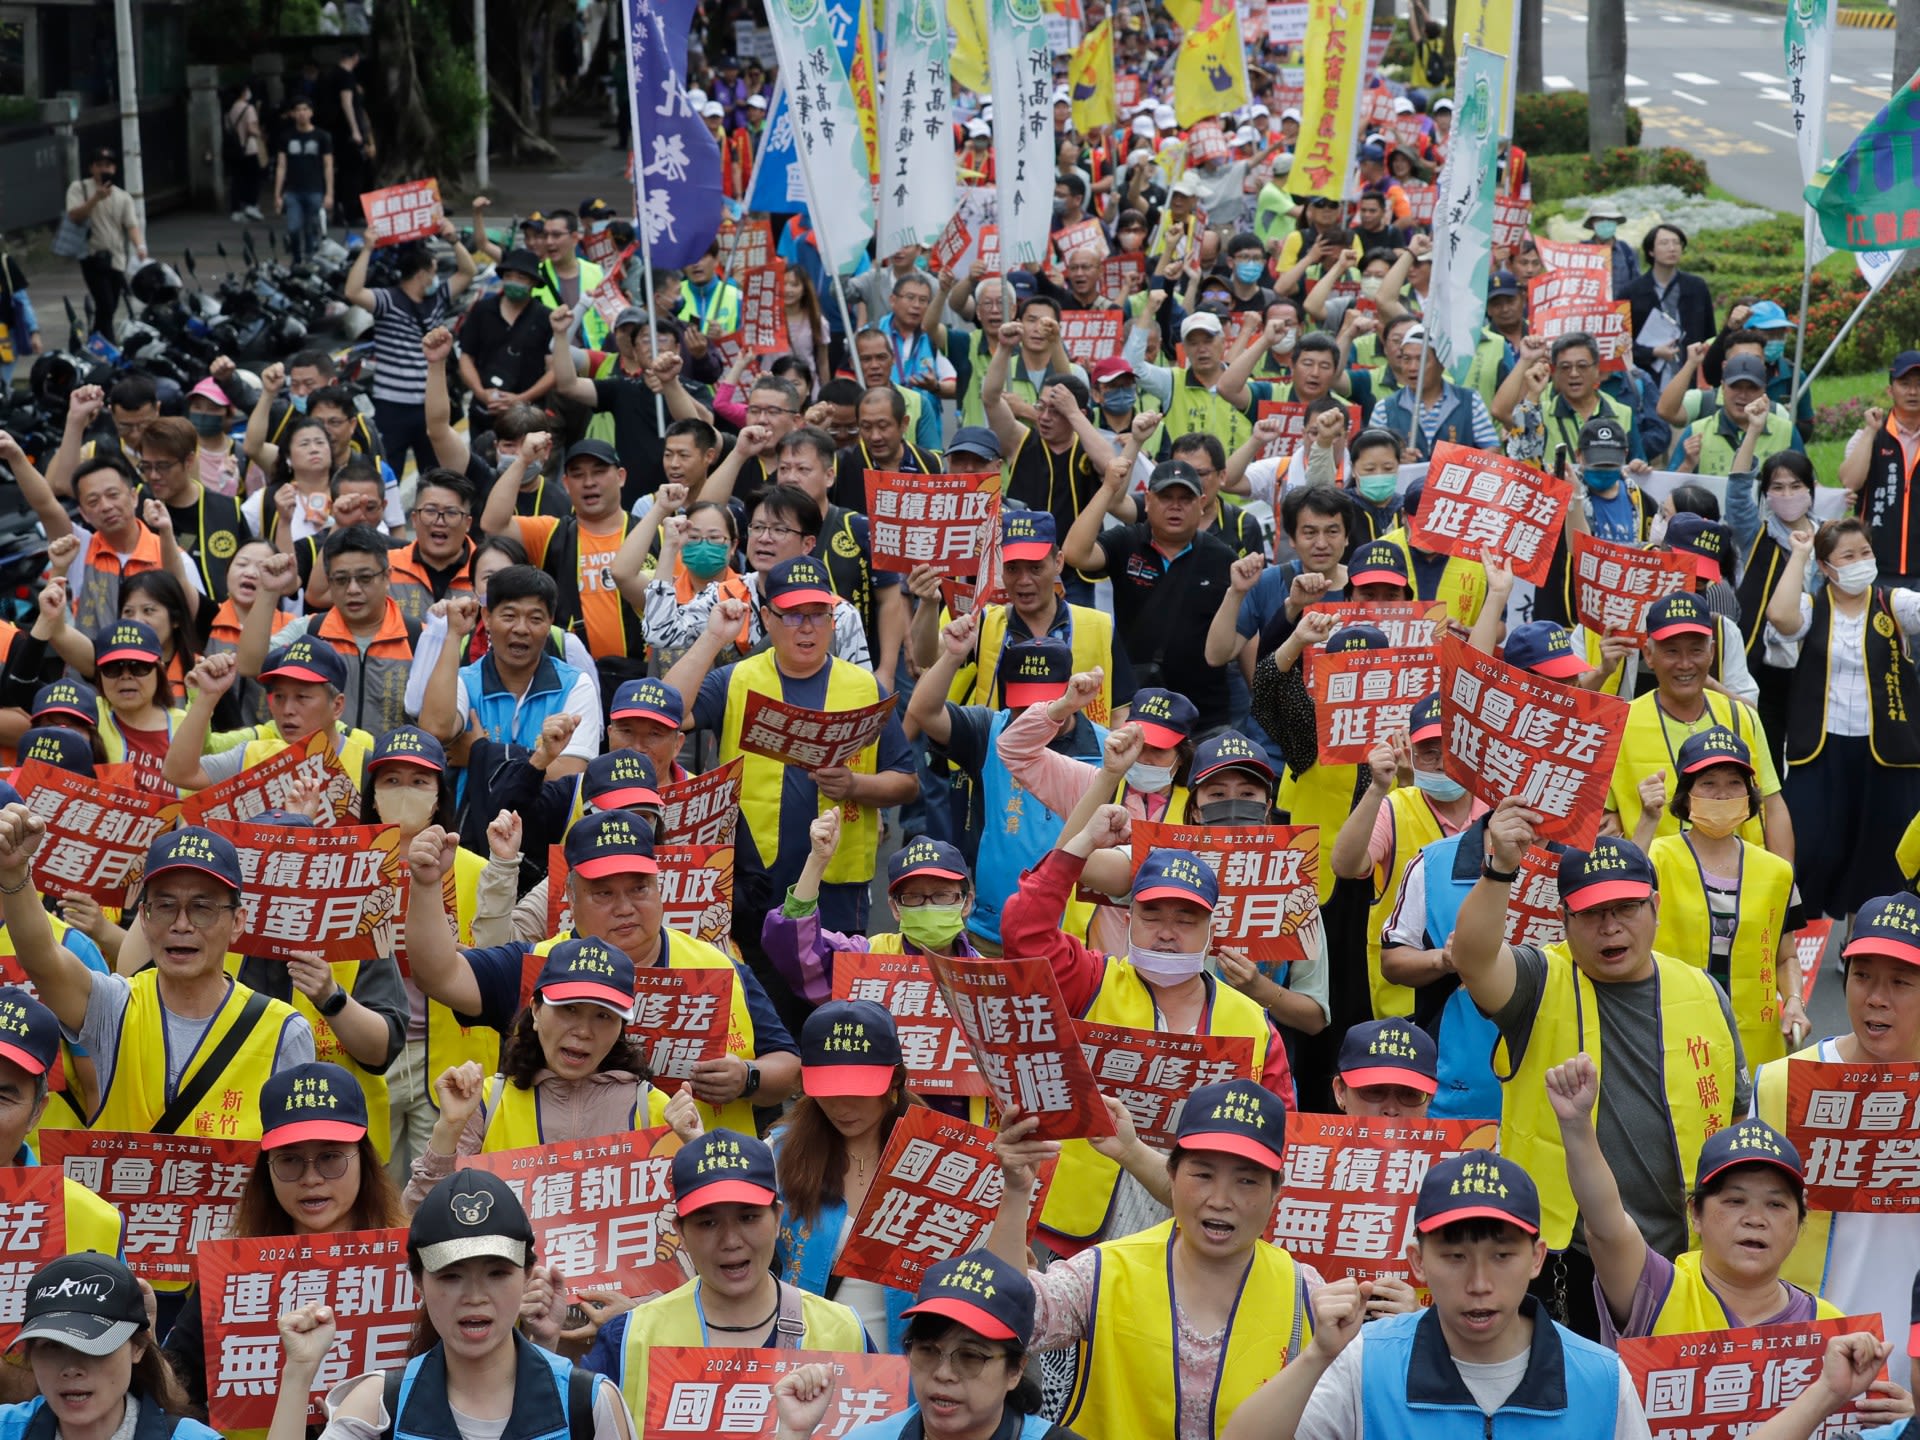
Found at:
<point>472,1209</point>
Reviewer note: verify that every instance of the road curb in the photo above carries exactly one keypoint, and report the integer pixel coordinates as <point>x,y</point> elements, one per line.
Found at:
<point>1867,19</point>
<point>1851,19</point>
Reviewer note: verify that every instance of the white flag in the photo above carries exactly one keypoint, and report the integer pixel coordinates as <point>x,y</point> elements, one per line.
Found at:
<point>1463,214</point>
<point>826,129</point>
<point>916,132</point>
<point>1023,158</point>
<point>1809,52</point>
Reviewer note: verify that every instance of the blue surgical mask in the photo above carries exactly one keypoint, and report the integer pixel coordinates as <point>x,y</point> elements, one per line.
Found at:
<point>1118,402</point>
<point>1439,785</point>
<point>1600,477</point>
<point>1605,229</point>
<point>1248,272</point>
<point>1775,351</point>
<point>299,403</point>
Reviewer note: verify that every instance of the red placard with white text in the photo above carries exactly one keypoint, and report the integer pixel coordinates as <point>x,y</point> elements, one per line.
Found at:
<point>270,786</point>
<point>1269,876</point>
<point>937,520</point>
<point>335,890</point>
<point>1363,698</point>
<point>1610,323</point>
<point>1022,1038</point>
<point>705,1391</point>
<point>935,1192</point>
<point>1723,1384</point>
<point>173,1191</point>
<point>702,809</point>
<point>810,739</point>
<point>33,1222</point>
<point>763,309</point>
<point>1570,288</point>
<point>1126,90</point>
<point>97,837</point>
<point>1615,585</point>
<point>951,245</point>
<point>1152,1072</point>
<point>1479,503</point>
<point>1407,624</point>
<point>1422,200</point>
<point>410,211</point>
<point>696,891</point>
<point>1512,220</point>
<point>1857,1128</point>
<point>1292,415</point>
<point>597,1208</point>
<point>1091,335</point>
<point>1512,733</point>
<point>986,257</point>
<point>746,245</point>
<point>932,1048</point>
<point>1576,255</point>
<point>600,247</point>
<point>246,1285</point>
<point>1081,235</point>
<point>1206,141</point>
<point>608,300</point>
<point>1810,946</point>
<point>1533,901</point>
<point>1122,274</point>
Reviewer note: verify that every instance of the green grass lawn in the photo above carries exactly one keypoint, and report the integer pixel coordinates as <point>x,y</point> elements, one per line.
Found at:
<point>1832,390</point>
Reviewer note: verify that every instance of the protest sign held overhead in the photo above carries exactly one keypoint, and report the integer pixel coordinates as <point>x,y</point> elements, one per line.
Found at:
<point>97,838</point>
<point>1477,503</point>
<point>1269,905</point>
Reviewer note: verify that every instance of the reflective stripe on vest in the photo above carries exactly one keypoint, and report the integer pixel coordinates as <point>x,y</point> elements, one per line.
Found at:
<point>1411,825</point>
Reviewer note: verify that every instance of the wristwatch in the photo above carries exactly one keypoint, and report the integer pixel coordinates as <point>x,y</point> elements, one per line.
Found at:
<point>334,1003</point>
<point>1501,877</point>
<point>753,1079</point>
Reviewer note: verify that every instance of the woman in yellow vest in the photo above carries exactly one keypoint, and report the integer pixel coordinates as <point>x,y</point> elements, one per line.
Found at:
<point>1727,905</point>
<point>727,1204</point>
<point>1746,1207</point>
<point>318,1174</point>
<point>137,712</point>
<point>1176,1325</point>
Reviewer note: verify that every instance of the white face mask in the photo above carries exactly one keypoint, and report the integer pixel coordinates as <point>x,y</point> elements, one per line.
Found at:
<point>1166,967</point>
<point>1370,286</point>
<point>410,809</point>
<point>1150,778</point>
<point>1287,342</point>
<point>1857,576</point>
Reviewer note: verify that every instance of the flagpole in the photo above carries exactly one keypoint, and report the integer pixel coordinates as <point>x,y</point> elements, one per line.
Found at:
<point>1808,226</point>
<point>1826,355</point>
<point>642,223</point>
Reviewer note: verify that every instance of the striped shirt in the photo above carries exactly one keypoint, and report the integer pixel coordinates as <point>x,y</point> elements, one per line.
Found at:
<point>399,325</point>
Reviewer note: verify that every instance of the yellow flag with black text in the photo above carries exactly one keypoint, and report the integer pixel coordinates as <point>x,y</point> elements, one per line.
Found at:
<point>1090,78</point>
<point>967,61</point>
<point>1210,76</point>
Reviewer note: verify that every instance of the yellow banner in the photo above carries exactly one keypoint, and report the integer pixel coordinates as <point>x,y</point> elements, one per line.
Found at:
<point>861,76</point>
<point>1210,76</point>
<point>1335,69</point>
<point>1090,76</point>
<point>968,60</point>
<point>1492,25</point>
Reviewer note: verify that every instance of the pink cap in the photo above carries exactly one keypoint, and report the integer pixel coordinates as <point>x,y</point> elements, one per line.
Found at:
<point>209,389</point>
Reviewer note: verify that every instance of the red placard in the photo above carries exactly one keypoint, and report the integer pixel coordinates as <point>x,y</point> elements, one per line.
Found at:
<point>1293,417</point>
<point>600,247</point>
<point>33,1220</point>
<point>608,300</point>
<point>1152,1072</point>
<point>1407,132</point>
<point>246,1285</point>
<point>986,259</point>
<point>597,1208</point>
<point>1363,698</point>
<point>1408,624</point>
<point>682,1017</point>
<point>1574,255</point>
<point>1569,288</point>
<point>1126,90</point>
<point>1346,1202</point>
<point>1512,220</point>
<point>270,785</point>
<point>1722,1384</point>
<point>1376,106</point>
<point>931,1046</point>
<point>1810,945</point>
<point>937,520</point>
<point>1857,1127</point>
<point>1615,585</point>
<point>1081,235</point>
<point>1091,335</point>
<point>1533,904</point>
<point>746,244</point>
<point>934,1195</point>
<point>951,245</point>
<point>97,837</point>
<point>763,309</point>
<point>402,212</point>
<point>810,739</point>
<point>1477,502</point>
<point>1378,38</point>
<point>1022,1038</point>
<point>1269,883</point>
<point>729,348</point>
<point>702,809</point>
<point>173,1191</point>
<point>1422,200</point>
<point>1122,274</point>
<point>957,596</point>
<point>336,890</point>
<point>1511,733</point>
<point>701,1391</point>
<point>696,892</point>
<point>1610,324</point>
<point>1206,141</point>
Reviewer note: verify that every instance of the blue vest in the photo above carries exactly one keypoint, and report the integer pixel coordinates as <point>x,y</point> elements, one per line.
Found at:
<point>1456,416</point>
<point>1410,1389</point>
<point>1005,856</point>
<point>1465,1037</point>
<point>806,1250</point>
<point>1032,1427</point>
<point>539,1397</point>
<point>506,717</point>
<point>32,1420</point>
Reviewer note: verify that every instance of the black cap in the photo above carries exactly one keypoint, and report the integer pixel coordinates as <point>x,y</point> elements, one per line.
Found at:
<point>591,450</point>
<point>1389,1052</point>
<point>90,1303</point>
<point>519,261</point>
<point>469,1214</point>
<point>1612,871</point>
<point>1174,472</point>
<point>610,842</point>
<point>1603,441</point>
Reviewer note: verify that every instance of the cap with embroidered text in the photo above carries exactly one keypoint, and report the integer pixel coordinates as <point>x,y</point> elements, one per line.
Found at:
<point>314,1101</point>
<point>193,848</point>
<point>1378,562</point>
<point>1750,1142</point>
<point>1543,647</point>
<point>610,842</point>
<point>1502,282</point>
<point>29,1031</point>
<point>409,745</point>
<point>1612,871</point>
<point>587,972</point>
<point>1235,1117</point>
<point>1176,875</point>
<point>1027,535</point>
<point>796,582</point>
<point>1710,542</point>
<point>1477,1185</point>
<point>469,1215</point>
<point>1351,638</point>
<point>723,1166</point>
<point>308,661</point>
<point>1603,441</point>
<point>648,699</point>
<point>88,1302</point>
<point>925,856</point>
<point>1887,925</point>
<point>127,640</point>
<point>1389,1052</point>
<point>1716,745</point>
<point>990,1297</point>
<point>66,697</point>
<point>1228,750</point>
<point>1424,721</point>
<point>620,780</point>
<point>1678,614</point>
<point>59,746</point>
<point>1034,672</point>
<point>1165,717</point>
<point>849,1047</point>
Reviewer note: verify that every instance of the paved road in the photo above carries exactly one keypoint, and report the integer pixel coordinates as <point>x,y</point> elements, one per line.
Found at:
<point>1710,81</point>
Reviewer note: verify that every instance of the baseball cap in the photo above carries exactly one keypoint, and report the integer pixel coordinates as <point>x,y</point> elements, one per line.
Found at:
<point>974,440</point>
<point>409,745</point>
<point>58,746</point>
<point>1105,372</point>
<point>1413,335</point>
<point>1027,534</point>
<point>756,102</point>
<point>600,209</point>
<point>1200,320</point>
<point>988,1296</point>
<point>1389,1052</point>
<point>1424,722</point>
<point>1290,114</point>
<point>1605,210</point>
<point>1543,647</point>
<point>88,1303</point>
<point>1350,638</point>
<point>648,699</point>
<point>209,389</point>
<point>1679,614</point>
<point>1440,105</point>
<point>1603,441</point>
<point>1176,875</point>
<point>1614,869</point>
<point>924,856</point>
<point>518,261</point>
<point>193,848</point>
<point>1767,315</point>
<point>127,640</point>
<point>468,1215</point>
<point>1187,184</point>
<point>1169,473</point>
<point>849,1047</point>
<point>712,110</point>
<point>67,697</point>
<point>587,972</point>
<point>1402,105</point>
<point>1165,717</point>
<point>29,1033</point>
<point>1228,750</point>
<point>1903,362</point>
<point>1503,282</point>
<point>314,1101</point>
<point>722,1166</point>
<point>1142,125</point>
<point>1716,745</point>
<point>1887,925</point>
<point>630,315</point>
<point>1477,1185</point>
<point>1235,1117</point>
<point>1374,151</point>
<point>1751,1142</point>
<point>620,780</point>
<point>799,581</point>
<point>311,662</point>
<point>1258,109</point>
<point>1708,541</point>
<point>978,130</point>
<point>610,842</point>
<point>1750,368</point>
<point>1033,672</point>
<point>1378,562</point>
<point>592,449</point>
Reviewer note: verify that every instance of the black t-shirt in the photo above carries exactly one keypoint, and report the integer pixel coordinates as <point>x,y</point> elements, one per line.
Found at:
<point>1160,605</point>
<point>328,111</point>
<point>210,531</point>
<point>508,356</point>
<point>306,167</point>
<point>637,434</point>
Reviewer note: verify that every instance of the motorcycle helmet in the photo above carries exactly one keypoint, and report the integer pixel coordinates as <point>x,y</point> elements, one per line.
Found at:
<point>154,283</point>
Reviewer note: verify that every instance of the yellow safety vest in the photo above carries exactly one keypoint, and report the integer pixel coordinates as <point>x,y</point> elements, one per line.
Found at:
<point>1646,746</point>
<point>1463,583</point>
<point>848,688</point>
<point>1321,795</point>
<point>113,743</point>
<point>674,1319</point>
<point>1686,930</point>
<point>1126,1381</point>
<point>448,1041</point>
<point>1807,1265</point>
<point>1081,1196</point>
<point>1691,1306</point>
<point>513,1115</point>
<point>1907,853</point>
<point>1699,1076</point>
<point>92,1223</point>
<point>353,747</point>
<point>1192,407</point>
<point>978,682</point>
<point>1413,825</point>
<point>62,1111</point>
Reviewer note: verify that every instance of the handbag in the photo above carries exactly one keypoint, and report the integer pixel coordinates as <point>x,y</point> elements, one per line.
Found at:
<point>70,240</point>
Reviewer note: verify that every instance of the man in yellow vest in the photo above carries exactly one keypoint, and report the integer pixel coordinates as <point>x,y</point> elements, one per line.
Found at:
<point>613,888</point>
<point>1671,1074</point>
<point>306,692</point>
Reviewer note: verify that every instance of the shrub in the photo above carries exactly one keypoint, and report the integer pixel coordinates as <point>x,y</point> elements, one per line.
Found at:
<point>1555,123</point>
<point>1618,169</point>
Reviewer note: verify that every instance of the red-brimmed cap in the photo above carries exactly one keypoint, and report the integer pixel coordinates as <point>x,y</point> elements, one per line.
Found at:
<point>976,1319</point>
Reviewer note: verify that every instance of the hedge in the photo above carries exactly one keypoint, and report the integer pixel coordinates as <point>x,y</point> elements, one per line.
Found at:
<point>1555,123</point>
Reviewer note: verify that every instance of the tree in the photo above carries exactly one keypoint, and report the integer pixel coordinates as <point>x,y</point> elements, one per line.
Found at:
<point>1606,76</point>
<point>1906,43</point>
<point>1530,76</point>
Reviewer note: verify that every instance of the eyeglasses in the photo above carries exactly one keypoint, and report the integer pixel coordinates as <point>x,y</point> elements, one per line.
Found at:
<point>917,902</point>
<point>966,1361</point>
<point>119,669</point>
<point>1573,367</point>
<point>358,580</point>
<point>1624,913</point>
<point>201,914</point>
<point>335,422</point>
<point>441,515</point>
<point>769,532</point>
<point>158,467</point>
<point>763,411</point>
<point>803,619</point>
<point>331,1165</point>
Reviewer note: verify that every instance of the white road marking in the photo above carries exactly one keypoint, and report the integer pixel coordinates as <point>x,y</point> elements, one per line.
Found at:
<point>1840,80</point>
<point>1773,92</point>
<point>1719,19</point>
<point>1558,82</point>
<point>1761,20</point>
<point>1776,130</point>
<point>1759,77</point>
<point>1693,79</point>
<point>1689,98</point>
<point>1675,19</point>
<point>1638,99</point>
<point>1635,80</point>
<point>1886,75</point>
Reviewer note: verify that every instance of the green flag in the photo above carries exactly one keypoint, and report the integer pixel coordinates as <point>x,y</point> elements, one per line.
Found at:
<point>1869,199</point>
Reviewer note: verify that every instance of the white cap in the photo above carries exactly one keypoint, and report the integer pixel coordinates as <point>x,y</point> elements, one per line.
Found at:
<point>1146,106</point>
<point>1257,109</point>
<point>1402,105</point>
<point>1290,114</point>
<point>1246,135</point>
<point>986,112</point>
<point>979,130</point>
<point>1140,156</point>
<point>1187,184</point>
<point>1143,125</point>
<point>711,109</point>
<point>1062,95</point>
<point>696,97</point>
<point>1200,320</point>
<point>1165,118</point>
<point>1416,335</point>
<point>1442,104</point>
<point>756,102</point>
<point>1283,164</point>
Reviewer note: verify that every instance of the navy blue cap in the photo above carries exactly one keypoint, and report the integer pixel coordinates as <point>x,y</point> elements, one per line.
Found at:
<point>849,1047</point>
<point>587,972</point>
<point>127,640</point>
<point>1613,870</point>
<point>1715,745</point>
<point>1679,614</point>
<point>409,745</point>
<point>649,699</point>
<point>195,849</point>
<point>9,795</point>
<point>1503,282</point>
<point>310,661</point>
<point>799,581</point>
<point>610,842</point>
<point>1176,875</point>
<point>978,440</point>
<point>1903,362</point>
<point>1228,750</point>
<point>1350,638</point>
<point>1034,672</point>
<point>469,1215</point>
<point>925,856</point>
<point>1378,562</point>
<point>314,1101</point>
<point>1751,1142</point>
<point>1477,1185</point>
<point>58,746</point>
<point>1543,647</point>
<point>1709,541</point>
<point>1027,535</point>
<point>67,697</point>
<point>621,780</point>
<point>1887,925</point>
<point>1424,721</point>
<point>1389,1052</point>
<point>1165,717</point>
<point>1235,1117</point>
<point>723,1166</point>
<point>988,1296</point>
<point>29,1033</point>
